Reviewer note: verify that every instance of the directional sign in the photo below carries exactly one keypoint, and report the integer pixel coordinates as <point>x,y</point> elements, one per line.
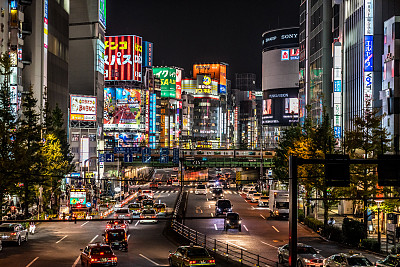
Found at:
<point>146,155</point>
<point>164,155</point>
<point>102,158</point>
<point>88,204</point>
<point>109,157</point>
<point>175,158</point>
<point>128,157</point>
<point>131,150</point>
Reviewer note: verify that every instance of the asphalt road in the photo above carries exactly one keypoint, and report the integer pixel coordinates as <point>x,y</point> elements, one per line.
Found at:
<point>260,234</point>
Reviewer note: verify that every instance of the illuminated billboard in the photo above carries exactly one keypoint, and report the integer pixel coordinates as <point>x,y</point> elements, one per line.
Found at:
<point>102,12</point>
<point>168,81</point>
<point>148,54</point>
<point>280,107</point>
<point>82,108</point>
<point>121,108</point>
<point>123,58</point>
<point>77,196</point>
<point>178,84</point>
<point>215,71</point>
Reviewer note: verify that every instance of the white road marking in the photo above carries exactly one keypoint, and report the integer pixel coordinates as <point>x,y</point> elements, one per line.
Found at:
<point>128,237</point>
<point>143,256</point>
<point>275,228</point>
<point>235,245</point>
<point>136,222</point>
<point>229,192</point>
<point>262,216</point>
<point>169,194</point>
<point>212,214</point>
<point>209,206</point>
<point>76,261</point>
<point>61,239</point>
<point>252,207</point>
<point>32,262</point>
<point>191,191</point>
<point>245,228</point>
<point>215,226</point>
<point>93,239</point>
<point>162,191</point>
<point>268,244</point>
<point>207,199</point>
<point>84,223</point>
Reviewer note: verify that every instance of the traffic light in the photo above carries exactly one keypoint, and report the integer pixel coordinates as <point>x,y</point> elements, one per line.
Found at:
<point>337,170</point>
<point>388,170</point>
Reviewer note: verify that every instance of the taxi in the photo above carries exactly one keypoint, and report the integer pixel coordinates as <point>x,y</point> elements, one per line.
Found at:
<point>98,254</point>
<point>160,208</point>
<point>118,224</point>
<point>147,203</point>
<point>191,256</point>
<point>116,238</point>
<point>135,208</point>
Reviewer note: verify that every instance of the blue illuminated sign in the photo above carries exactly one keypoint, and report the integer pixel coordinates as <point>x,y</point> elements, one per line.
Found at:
<point>337,86</point>
<point>46,9</point>
<point>13,4</point>
<point>222,89</point>
<point>368,52</point>
<point>338,131</point>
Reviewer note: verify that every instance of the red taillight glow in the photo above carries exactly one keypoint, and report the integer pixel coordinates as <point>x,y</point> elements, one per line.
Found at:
<point>211,261</point>
<point>114,259</point>
<point>192,262</point>
<point>116,223</point>
<point>13,233</point>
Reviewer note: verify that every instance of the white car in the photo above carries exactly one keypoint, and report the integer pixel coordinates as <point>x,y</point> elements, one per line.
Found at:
<point>306,255</point>
<point>176,182</point>
<point>247,188</point>
<point>150,215</point>
<point>201,189</point>
<point>347,260</point>
<point>255,197</point>
<point>250,194</point>
<point>117,206</point>
<point>211,183</point>
<point>123,214</point>
<point>263,201</point>
<point>148,193</point>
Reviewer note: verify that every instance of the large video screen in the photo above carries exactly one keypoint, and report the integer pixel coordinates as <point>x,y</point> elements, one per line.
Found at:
<point>280,107</point>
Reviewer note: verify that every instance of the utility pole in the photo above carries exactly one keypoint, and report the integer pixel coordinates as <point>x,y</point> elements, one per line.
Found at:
<point>292,211</point>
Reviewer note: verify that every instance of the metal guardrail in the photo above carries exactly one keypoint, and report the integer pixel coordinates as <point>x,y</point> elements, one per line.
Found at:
<point>222,248</point>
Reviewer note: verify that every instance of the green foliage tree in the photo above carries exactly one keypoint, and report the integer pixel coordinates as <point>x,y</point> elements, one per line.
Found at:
<point>367,139</point>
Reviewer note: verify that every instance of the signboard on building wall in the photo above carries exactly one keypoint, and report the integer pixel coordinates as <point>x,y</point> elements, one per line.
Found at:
<point>123,58</point>
<point>222,79</point>
<point>368,52</point>
<point>147,54</point>
<point>217,72</point>
<point>102,12</point>
<point>83,108</point>
<point>178,84</point>
<point>152,122</point>
<point>100,56</point>
<point>280,107</point>
<point>168,81</point>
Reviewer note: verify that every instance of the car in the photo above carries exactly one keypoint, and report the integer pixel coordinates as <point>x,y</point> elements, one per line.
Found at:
<point>150,215</point>
<point>13,232</point>
<point>247,188</point>
<point>250,194</point>
<point>98,254</point>
<point>255,197</point>
<point>124,214</point>
<point>135,209</point>
<point>116,238</point>
<point>232,221</point>
<point>169,182</point>
<point>148,193</point>
<point>118,206</point>
<point>390,261</point>
<point>148,203</point>
<point>118,224</point>
<point>222,206</point>
<point>153,185</point>
<point>211,183</point>
<point>347,260</point>
<point>201,189</point>
<point>175,182</point>
<point>190,256</point>
<point>160,209</point>
<point>263,201</point>
<point>306,255</point>
<point>217,193</point>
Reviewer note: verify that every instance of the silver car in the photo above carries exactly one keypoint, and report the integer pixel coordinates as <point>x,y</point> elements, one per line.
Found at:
<point>347,260</point>
<point>306,255</point>
<point>123,214</point>
<point>13,232</point>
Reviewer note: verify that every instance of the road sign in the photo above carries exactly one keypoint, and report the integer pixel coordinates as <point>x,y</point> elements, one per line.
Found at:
<point>109,157</point>
<point>164,155</point>
<point>131,150</point>
<point>146,155</point>
<point>102,158</point>
<point>88,204</point>
<point>128,157</point>
<point>175,158</point>
<point>75,174</point>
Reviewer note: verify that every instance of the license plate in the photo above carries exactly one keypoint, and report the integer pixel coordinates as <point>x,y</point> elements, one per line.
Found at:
<point>203,262</point>
<point>116,243</point>
<point>103,259</point>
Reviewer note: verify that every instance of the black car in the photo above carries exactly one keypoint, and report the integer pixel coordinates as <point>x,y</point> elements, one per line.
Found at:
<point>217,193</point>
<point>98,255</point>
<point>232,221</point>
<point>116,238</point>
<point>222,206</point>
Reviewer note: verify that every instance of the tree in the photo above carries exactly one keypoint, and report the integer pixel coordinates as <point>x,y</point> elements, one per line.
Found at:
<point>7,126</point>
<point>367,139</point>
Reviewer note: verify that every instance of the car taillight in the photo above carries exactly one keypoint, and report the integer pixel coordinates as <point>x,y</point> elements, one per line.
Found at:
<point>123,226</point>
<point>141,216</point>
<point>92,260</point>
<point>101,253</point>
<point>153,216</point>
<point>192,262</point>
<point>13,233</point>
<point>114,259</point>
<point>211,261</point>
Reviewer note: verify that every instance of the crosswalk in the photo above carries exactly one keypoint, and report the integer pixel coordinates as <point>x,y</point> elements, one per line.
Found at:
<point>189,191</point>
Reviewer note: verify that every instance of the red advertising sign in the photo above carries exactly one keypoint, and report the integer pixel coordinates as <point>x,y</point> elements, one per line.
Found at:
<point>178,84</point>
<point>123,58</point>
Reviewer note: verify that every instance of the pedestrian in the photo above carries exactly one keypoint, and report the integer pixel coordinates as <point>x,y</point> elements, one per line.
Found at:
<point>32,228</point>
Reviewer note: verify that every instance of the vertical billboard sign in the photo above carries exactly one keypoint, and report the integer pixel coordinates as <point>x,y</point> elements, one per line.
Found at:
<point>337,92</point>
<point>123,58</point>
<point>178,84</point>
<point>102,13</point>
<point>147,54</point>
<point>368,52</point>
<point>45,50</point>
<point>222,79</point>
<point>100,56</point>
<point>152,122</point>
<point>147,117</point>
<point>168,81</point>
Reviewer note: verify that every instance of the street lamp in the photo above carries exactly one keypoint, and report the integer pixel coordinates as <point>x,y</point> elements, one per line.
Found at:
<point>378,202</point>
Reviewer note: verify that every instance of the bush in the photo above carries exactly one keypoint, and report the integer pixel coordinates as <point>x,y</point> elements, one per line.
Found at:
<point>314,224</point>
<point>333,233</point>
<point>301,215</point>
<point>370,244</point>
<point>353,231</point>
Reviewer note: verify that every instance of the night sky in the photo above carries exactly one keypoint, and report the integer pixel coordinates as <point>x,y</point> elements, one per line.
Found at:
<point>187,32</point>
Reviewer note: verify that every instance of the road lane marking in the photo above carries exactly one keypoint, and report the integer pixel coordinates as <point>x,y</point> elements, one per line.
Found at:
<point>93,239</point>
<point>207,199</point>
<point>143,256</point>
<point>35,259</point>
<point>162,191</point>
<point>215,226</point>
<point>252,207</point>
<point>61,239</point>
<point>191,191</point>
<point>128,237</point>
<point>275,228</point>
<point>262,216</point>
<point>212,214</point>
<point>169,194</point>
<point>232,244</point>
<point>209,206</point>
<point>245,228</point>
<point>136,222</point>
<point>84,223</point>
<point>269,244</point>
<point>76,261</point>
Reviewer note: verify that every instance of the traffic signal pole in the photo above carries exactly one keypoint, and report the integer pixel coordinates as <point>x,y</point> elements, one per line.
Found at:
<point>292,211</point>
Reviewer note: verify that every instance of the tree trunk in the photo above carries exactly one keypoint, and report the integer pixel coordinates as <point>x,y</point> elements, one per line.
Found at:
<point>26,199</point>
<point>326,208</point>
<point>365,218</point>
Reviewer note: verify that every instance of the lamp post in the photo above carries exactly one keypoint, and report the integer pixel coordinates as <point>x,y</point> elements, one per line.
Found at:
<point>378,202</point>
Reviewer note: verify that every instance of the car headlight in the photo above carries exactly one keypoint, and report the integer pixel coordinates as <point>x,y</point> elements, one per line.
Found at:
<point>230,209</point>
<point>218,209</point>
<point>240,221</point>
<point>306,260</point>
<point>227,221</point>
